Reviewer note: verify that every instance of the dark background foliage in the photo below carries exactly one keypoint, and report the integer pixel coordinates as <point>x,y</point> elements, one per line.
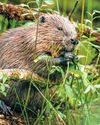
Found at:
<point>67,5</point>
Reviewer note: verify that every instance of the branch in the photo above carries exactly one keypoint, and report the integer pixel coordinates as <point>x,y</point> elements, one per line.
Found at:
<point>16,12</point>
<point>70,14</point>
<point>93,33</point>
<point>20,74</point>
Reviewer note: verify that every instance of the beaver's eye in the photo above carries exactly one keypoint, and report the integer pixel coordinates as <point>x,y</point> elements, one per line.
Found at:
<point>60,28</point>
<point>42,19</point>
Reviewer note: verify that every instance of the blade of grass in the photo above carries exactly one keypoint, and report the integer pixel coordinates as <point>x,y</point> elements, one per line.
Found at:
<point>82,17</point>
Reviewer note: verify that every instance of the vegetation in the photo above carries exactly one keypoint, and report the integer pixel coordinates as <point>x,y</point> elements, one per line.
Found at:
<point>76,99</point>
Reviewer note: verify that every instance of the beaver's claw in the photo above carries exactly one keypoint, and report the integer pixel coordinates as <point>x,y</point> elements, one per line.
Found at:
<point>6,110</point>
<point>70,57</point>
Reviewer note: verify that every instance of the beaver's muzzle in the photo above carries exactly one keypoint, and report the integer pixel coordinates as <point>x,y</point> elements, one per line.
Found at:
<point>74,41</point>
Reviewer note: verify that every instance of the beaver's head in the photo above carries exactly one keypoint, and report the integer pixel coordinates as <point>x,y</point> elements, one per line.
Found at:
<point>57,30</point>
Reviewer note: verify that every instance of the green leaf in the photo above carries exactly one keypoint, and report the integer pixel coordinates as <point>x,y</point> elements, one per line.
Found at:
<point>86,82</point>
<point>24,5</point>
<point>81,56</point>
<point>88,22</point>
<point>97,86</point>
<point>2,87</point>
<point>98,29</point>
<point>1,76</point>
<point>59,69</point>
<point>44,56</point>
<point>69,90</point>
<point>61,92</point>
<point>75,71</point>
<point>96,17</point>
<point>61,114</point>
<point>96,11</point>
<point>89,88</point>
<point>5,78</point>
<point>85,49</point>
<point>49,2</point>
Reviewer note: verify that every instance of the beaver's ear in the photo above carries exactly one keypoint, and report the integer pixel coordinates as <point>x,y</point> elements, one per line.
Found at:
<point>42,19</point>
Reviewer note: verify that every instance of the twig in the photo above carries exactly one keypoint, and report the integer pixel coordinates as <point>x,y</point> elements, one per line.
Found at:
<point>19,73</point>
<point>70,14</point>
<point>16,12</point>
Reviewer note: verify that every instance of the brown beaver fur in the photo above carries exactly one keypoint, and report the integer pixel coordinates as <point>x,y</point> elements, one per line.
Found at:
<point>17,46</point>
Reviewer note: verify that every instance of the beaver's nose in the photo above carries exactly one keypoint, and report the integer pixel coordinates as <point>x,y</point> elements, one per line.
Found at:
<point>74,41</point>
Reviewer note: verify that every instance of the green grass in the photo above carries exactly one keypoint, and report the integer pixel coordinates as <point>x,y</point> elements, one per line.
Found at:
<point>76,99</point>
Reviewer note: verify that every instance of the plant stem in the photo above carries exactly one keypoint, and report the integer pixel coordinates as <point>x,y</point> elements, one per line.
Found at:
<point>57,2</point>
<point>82,17</point>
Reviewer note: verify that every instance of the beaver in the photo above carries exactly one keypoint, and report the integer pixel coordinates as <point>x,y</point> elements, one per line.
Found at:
<point>19,47</point>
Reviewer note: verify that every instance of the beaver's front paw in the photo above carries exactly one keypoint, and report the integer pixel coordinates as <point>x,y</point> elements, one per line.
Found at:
<point>70,57</point>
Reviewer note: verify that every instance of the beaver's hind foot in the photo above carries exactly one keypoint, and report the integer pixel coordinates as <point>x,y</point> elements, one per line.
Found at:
<point>6,110</point>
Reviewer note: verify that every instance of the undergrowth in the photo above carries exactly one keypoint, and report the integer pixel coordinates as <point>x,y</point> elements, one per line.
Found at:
<point>76,99</point>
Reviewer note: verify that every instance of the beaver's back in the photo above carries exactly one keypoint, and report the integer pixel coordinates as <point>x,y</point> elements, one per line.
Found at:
<point>16,48</point>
